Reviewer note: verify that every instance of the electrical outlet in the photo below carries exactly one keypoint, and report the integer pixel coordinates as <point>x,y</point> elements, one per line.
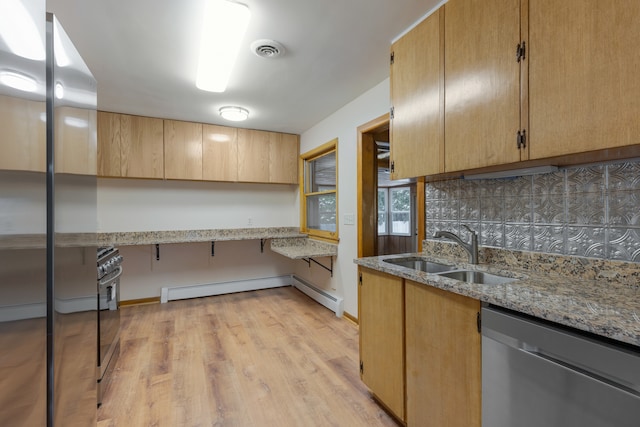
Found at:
<point>349,219</point>
<point>250,221</point>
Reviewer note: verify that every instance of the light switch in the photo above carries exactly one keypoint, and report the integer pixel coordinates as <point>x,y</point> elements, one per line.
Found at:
<point>349,219</point>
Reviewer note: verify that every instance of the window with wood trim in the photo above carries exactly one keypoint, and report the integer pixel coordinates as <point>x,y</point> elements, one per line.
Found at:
<point>394,211</point>
<point>319,191</point>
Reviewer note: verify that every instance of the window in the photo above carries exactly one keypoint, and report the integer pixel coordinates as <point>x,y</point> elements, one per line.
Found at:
<point>319,191</point>
<point>394,211</point>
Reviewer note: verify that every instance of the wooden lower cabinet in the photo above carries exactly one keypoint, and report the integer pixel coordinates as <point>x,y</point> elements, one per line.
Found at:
<point>381,321</point>
<point>443,358</point>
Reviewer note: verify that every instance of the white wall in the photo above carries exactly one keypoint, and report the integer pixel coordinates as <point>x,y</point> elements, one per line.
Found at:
<point>343,124</point>
<point>152,205</point>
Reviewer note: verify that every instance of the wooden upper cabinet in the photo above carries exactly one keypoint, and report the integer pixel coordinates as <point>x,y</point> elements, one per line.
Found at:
<point>381,320</point>
<point>219,153</point>
<point>75,144</point>
<point>130,146</point>
<point>23,140</point>
<point>443,357</point>
<point>416,97</point>
<point>482,83</point>
<point>108,144</point>
<point>253,155</point>
<point>182,150</point>
<point>284,150</point>
<point>583,75</point>
<point>141,147</point>
<point>146,147</point>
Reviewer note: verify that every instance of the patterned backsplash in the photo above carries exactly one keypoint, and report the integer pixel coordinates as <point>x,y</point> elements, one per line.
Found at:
<point>589,211</point>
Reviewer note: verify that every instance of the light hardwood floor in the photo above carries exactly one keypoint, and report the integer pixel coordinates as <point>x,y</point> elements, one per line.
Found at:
<point>264,358</point>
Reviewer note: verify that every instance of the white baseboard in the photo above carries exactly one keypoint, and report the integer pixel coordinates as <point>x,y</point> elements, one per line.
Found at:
<point>209,289</point>
<point>35,310</point>
<point>332,302</point>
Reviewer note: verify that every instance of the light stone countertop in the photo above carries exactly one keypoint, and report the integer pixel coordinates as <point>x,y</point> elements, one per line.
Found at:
<point>191,236</point>
<point>597,296</point>
<point>132,238</point>
<point>300,248</point>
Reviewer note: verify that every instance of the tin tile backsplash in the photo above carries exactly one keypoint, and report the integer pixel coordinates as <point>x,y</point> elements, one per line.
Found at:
<point>590,211</point>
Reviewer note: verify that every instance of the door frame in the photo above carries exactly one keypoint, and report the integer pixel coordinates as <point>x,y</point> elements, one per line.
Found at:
<point>367,195</point>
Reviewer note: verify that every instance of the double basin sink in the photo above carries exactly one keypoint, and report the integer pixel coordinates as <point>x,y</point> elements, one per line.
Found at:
<point>450,271</point>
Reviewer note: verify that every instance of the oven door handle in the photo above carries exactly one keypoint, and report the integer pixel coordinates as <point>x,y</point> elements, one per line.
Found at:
<point>111,279</point>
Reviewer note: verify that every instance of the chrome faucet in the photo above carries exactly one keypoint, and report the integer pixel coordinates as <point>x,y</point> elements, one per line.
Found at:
<point>471,247</point>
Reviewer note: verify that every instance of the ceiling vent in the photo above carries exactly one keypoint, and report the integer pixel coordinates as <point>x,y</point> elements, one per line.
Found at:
<point>267,48</point>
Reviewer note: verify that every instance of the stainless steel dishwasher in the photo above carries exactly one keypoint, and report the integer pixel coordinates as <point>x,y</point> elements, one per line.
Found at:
<point>535,374</point>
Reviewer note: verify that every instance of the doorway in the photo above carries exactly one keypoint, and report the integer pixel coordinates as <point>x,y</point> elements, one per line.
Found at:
<point>389,216</point>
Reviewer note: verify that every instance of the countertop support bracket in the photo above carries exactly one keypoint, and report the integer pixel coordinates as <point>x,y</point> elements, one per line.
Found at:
<point>157,251</point>
<point>329,269</point>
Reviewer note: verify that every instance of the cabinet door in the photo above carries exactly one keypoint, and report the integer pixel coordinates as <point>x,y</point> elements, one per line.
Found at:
<point>22,134</point>
<point>76,146</point>
<point>381,321</point>
<point>219,153</point>
<point>443,356</point>
<point>283,158</point>
<point>141,147</point>
<point>583,75</point>
<point>416,97</point>
<point>253,155</point>
<point>108,144</point>
<point>482,83</point>
<point>182,150</point>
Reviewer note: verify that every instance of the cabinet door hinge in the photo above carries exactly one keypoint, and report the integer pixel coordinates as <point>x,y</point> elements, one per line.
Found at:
<point>479,322</point>
<point>393,166</point>
<point>521,139</point>
<point>521,51</point>
<point>392,58</point>
<point>392,112</point>
<point>361,368</point>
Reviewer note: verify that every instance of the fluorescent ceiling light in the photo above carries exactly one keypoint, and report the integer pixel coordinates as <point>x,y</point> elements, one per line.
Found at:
<point>18,81</point>
<point>223,28</point>
<point>62,59</point>
<point>235,114</point>
<point>513,173</point>
<point>19,31</point>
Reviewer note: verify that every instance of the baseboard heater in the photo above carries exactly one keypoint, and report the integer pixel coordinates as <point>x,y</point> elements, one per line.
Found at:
<point>332,302</point>
<point>210,289</point>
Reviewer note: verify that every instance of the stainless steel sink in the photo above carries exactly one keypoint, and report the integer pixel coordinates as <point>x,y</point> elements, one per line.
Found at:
<point>479,277</point>
<point>420,264</point>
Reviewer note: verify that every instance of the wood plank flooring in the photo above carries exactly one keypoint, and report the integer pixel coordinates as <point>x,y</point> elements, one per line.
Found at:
<point>265,358</point>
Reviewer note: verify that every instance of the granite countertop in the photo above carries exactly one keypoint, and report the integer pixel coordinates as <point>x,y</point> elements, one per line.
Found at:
<point>596,296</point>
<point>299,248</point>
<point>190,236</point>
<point>131,238</point>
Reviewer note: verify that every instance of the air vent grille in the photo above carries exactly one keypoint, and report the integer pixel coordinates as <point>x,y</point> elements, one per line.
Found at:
<point>267,48</point>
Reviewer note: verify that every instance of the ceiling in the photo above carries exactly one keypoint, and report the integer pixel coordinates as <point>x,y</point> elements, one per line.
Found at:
<point>143,54</point>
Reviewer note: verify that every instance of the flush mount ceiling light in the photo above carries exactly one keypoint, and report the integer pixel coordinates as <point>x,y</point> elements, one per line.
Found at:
<point>18,81</point>
<point>235,114</point>
<point>223,27</point>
